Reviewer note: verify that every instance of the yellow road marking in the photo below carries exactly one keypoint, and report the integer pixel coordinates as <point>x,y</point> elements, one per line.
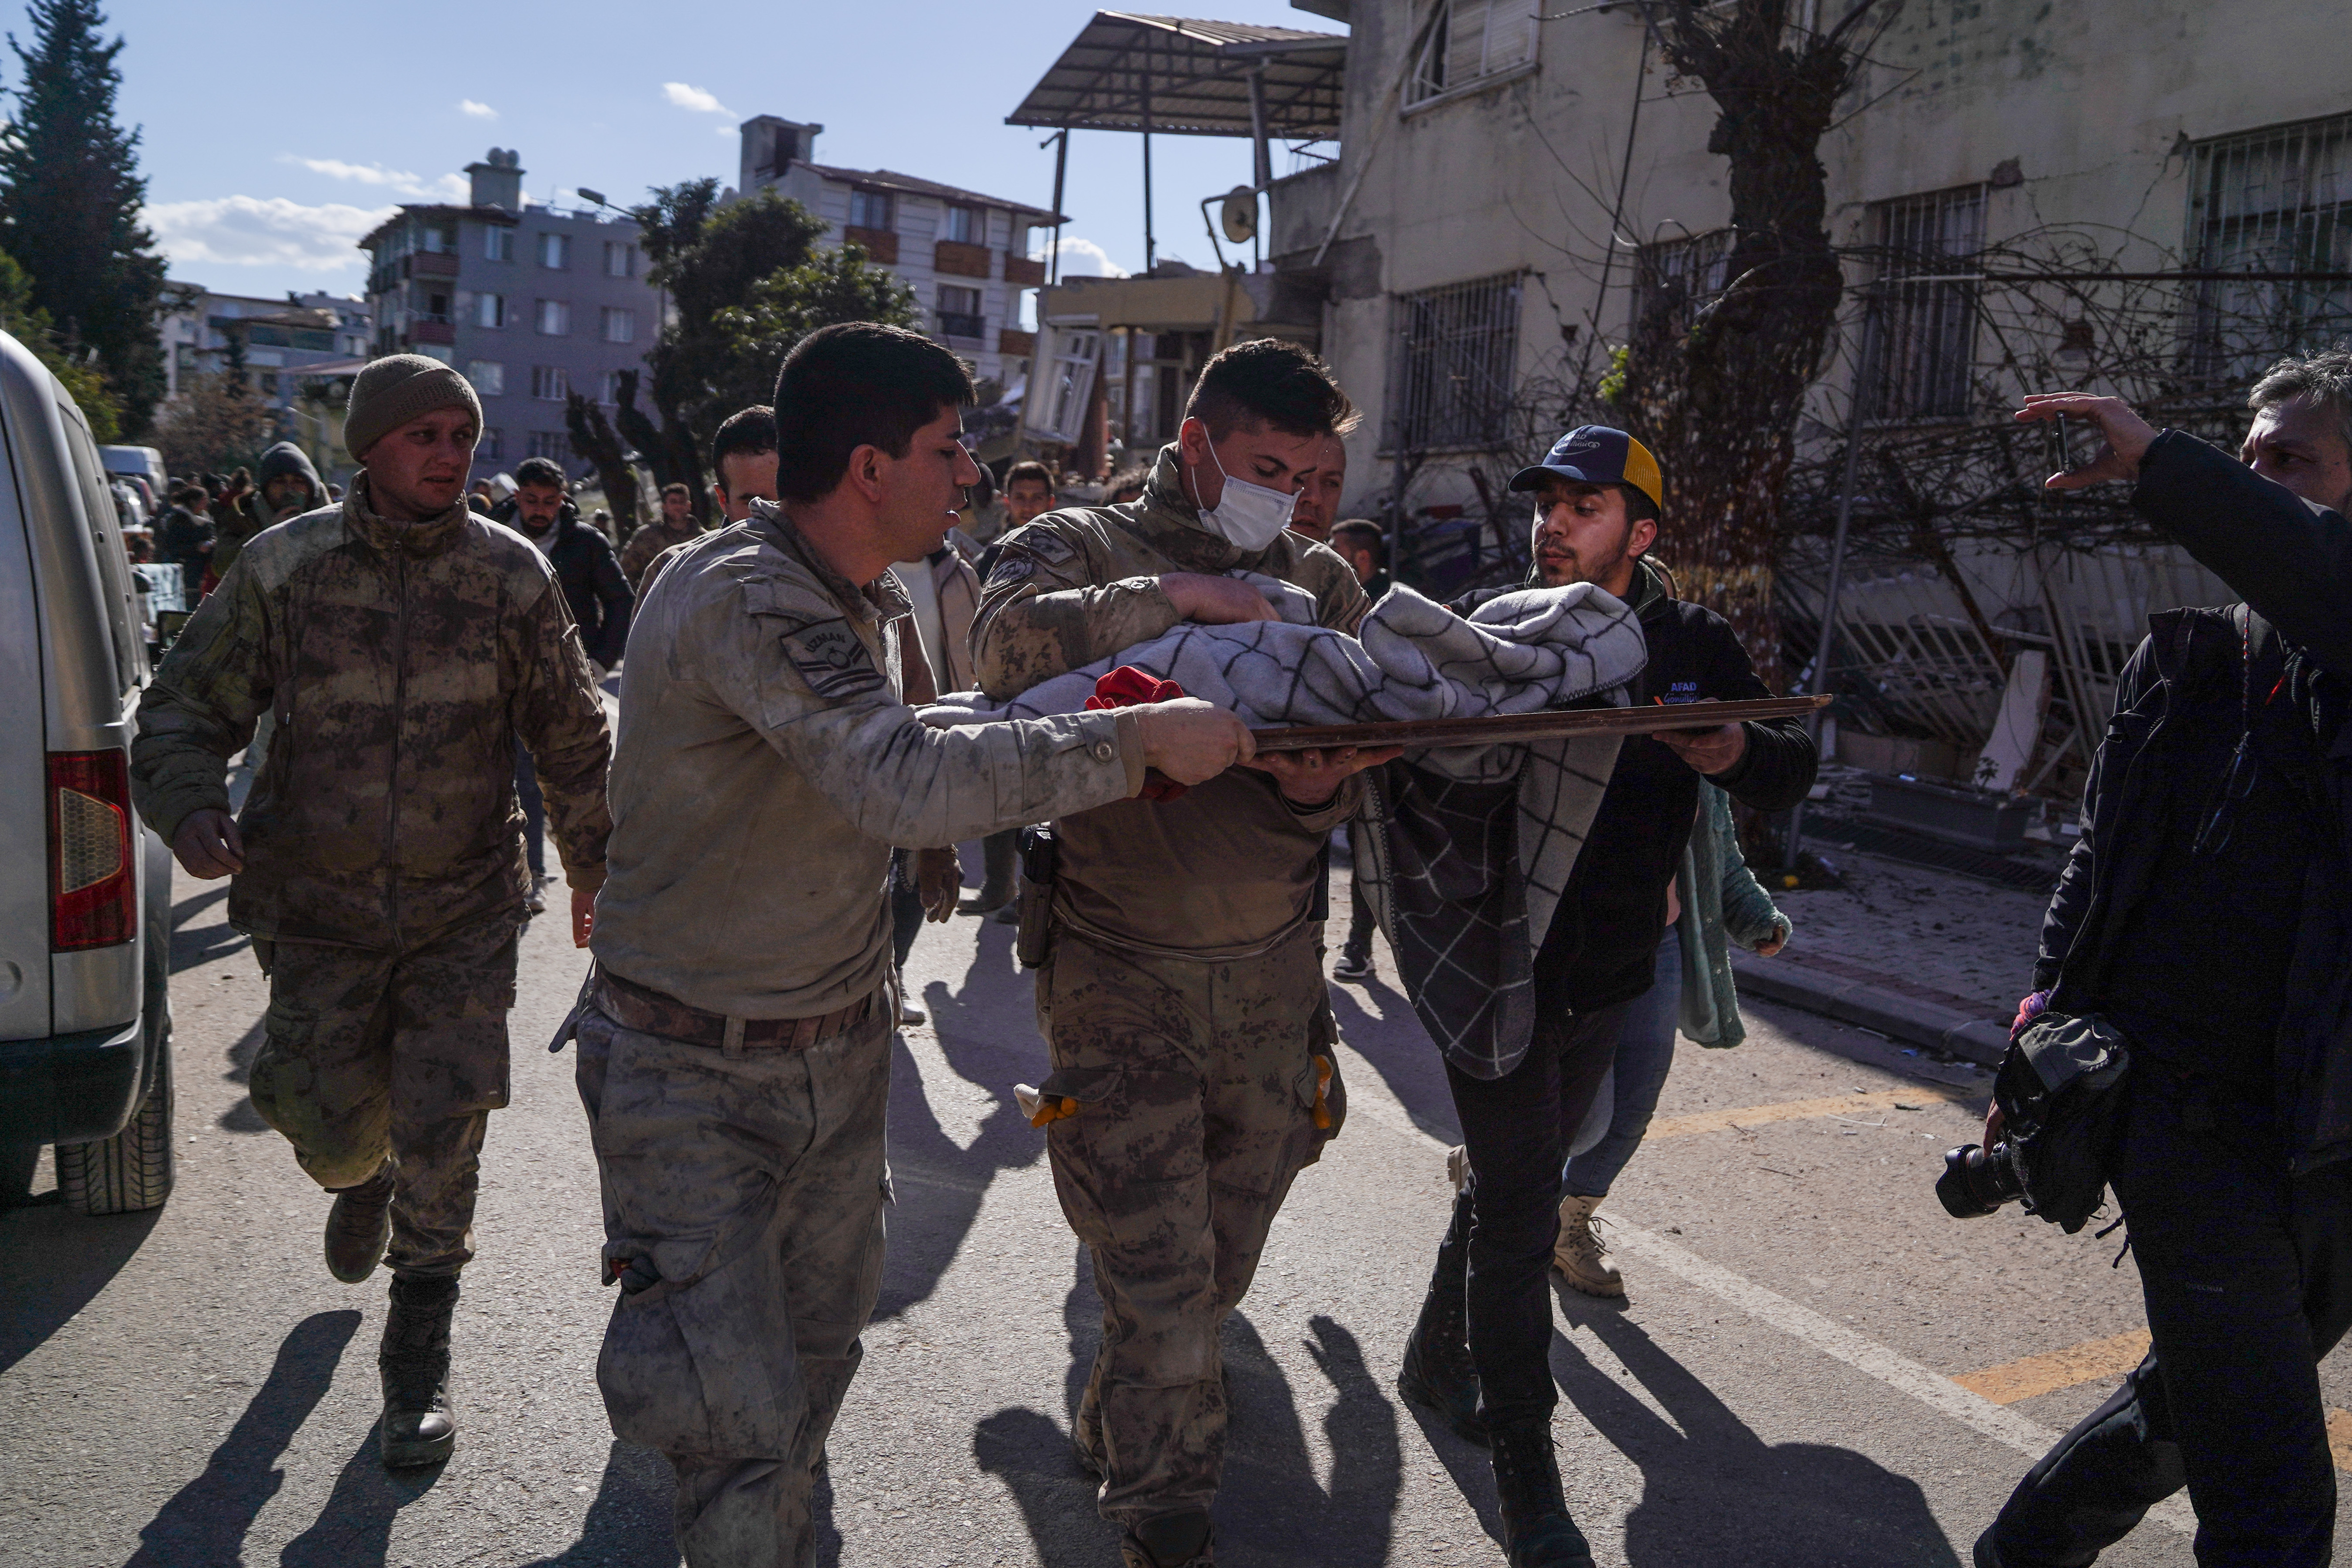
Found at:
<point>1804,1110</point>
<point>2016,1379</point>
<point>2339,1437</point>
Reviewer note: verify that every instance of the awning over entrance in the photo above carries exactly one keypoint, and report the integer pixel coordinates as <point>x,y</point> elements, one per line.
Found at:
<point>1186,78</point>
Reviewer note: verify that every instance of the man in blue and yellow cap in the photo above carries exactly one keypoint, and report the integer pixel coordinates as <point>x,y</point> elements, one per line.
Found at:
<point>1479,1353</point>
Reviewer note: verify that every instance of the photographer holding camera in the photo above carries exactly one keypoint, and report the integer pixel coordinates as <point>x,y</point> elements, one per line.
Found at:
<point>2204,924</point>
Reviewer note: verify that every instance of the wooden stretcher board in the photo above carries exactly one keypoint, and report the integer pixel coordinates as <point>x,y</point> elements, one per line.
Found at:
<point>1422,734</point>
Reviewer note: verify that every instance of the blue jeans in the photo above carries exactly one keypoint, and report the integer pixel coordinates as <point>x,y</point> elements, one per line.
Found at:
<point>1646,1049</point>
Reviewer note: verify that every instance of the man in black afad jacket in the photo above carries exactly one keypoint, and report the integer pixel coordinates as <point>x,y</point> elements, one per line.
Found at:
<point>1598,495</point>
<point>589,572</point>
<point>2206,914</point>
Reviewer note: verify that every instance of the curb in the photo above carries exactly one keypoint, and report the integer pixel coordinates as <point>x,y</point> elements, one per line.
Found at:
<point>1856,1002</point>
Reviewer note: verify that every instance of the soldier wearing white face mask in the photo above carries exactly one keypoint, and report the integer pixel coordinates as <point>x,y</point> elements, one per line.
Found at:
<point>1184,997</point>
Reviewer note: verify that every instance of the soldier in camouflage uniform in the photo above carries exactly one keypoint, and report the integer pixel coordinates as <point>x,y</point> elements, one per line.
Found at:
<point>674,526</point>
<point>1184,999</point>
<point>735,1037</point>
<point>402,643</point>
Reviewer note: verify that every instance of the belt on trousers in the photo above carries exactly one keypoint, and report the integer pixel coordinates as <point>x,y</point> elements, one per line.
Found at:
<point>652,1012</point>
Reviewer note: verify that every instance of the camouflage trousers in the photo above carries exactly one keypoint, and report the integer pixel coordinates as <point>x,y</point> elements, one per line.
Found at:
<point>1195,1085</point>
<point>743,1220</point>
<point>371,1060</point>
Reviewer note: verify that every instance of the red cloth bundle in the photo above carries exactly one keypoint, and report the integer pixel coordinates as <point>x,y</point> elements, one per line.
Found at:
<point>1125,687</point>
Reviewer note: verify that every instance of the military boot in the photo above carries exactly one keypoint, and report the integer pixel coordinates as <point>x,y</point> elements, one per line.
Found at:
<point>1437,1372</point>
<point>358,1227</point>
<point>419,1428</point>
<point>1185,1540</point>
<point>1578,1252</point>
<point>1537,1531</point>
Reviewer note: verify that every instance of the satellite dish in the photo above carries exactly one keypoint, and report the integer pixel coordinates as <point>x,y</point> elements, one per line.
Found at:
<point>1239,218</point>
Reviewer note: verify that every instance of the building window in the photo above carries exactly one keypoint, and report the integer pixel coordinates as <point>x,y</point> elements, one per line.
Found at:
<point>1682,274</point>
<point>489,446</point>
<point>490,309</point>
<point>1456,348</point>
<point>619,325</point>
<point>437,308</point>
<point>967,226</point>
<point>612,387</point>
<point>554,318</point>
<point>552,445</point>
<point>960,312</point>
<point>1924,304</point>
<point>2270,201</point>
<point>555,251</point>
<point>619,259</point>
<point>549,383</point>
<point>488,376</point>
<point>869,209</point>
<point>439,238</point>
<point>1470,39</point>
<point>498,242</point>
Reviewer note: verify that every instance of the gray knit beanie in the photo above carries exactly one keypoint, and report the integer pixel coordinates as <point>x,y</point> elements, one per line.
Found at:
<point>393,391</point>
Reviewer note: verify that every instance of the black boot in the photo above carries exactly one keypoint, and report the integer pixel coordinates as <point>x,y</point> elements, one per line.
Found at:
<point>358,1227</point>
<point>1183,1540</point>
<point>419,1428</point>
<point>1437,1372</point>
<point>1537,1531</point>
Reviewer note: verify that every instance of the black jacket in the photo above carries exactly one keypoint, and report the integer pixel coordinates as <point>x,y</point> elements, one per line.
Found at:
<point>589,573</point>
<point>1603,944</point>
<point>2292,563</point>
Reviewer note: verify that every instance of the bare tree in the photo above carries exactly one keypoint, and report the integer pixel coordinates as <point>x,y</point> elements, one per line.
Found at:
<point>1716,389</point>
<point>593,438</point>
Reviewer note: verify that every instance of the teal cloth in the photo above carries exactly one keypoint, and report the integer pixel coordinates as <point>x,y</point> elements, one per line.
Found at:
<point>1722,904</point>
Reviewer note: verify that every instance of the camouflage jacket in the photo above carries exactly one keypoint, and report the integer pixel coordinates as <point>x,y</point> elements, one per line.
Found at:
<point>649,540</point>
<point>1230,867</point>
<point>765,767</point>
<point>401,661</point>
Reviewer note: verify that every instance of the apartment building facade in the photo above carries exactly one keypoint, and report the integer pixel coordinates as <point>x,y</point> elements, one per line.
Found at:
<point>964,254</point>
<point>283,340</point>
<point>529,302</point>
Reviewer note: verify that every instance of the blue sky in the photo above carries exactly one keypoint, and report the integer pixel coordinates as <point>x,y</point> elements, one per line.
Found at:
<point>276,134</point>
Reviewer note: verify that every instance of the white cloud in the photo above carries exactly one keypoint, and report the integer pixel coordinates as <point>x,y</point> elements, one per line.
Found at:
<point>695,98</point>
<point>1084,258</point>
<point>253,231</point>
<point>468,106</point>
<point>399,181</point>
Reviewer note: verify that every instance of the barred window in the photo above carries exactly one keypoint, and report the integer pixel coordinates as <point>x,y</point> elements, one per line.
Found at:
<point>1924,304</point>
<point>1688,272</point>
<point>1456,348</point>
<point>1468,39</point>
<point>2277,200</point>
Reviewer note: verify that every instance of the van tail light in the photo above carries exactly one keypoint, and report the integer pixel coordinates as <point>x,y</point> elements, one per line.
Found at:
<point>93,882</point>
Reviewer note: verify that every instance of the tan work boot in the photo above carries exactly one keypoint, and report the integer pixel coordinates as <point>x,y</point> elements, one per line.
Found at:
<point>1577,1254</point>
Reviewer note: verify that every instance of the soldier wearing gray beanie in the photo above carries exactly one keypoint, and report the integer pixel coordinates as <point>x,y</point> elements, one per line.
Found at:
<point>397,389</point>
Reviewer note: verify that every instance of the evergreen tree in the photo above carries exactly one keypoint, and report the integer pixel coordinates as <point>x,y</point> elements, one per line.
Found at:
<point>29,325</point>
<point>69,198</point>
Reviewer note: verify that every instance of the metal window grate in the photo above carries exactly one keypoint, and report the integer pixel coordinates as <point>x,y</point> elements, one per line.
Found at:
<point>2277,200</point>
<point>1686,272</point>
<point>1454,352</point>
<point>1926,304</point>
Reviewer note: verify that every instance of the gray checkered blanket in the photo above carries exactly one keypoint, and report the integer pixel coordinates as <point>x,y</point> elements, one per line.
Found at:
<point>1464,852</point>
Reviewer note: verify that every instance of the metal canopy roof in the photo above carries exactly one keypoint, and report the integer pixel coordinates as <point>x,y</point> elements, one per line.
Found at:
<point>1192,76</point>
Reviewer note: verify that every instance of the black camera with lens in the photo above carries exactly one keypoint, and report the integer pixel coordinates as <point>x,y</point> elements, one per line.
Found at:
<point>1977,1180</point>
<point>2057,1093</point>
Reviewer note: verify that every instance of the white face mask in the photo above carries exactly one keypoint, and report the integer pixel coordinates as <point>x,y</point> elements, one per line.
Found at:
<point>1251,516</point>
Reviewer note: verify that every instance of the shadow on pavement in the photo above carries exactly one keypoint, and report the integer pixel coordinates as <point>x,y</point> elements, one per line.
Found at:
<point>1713,1491</point>
<point>628,1525</point>
<point>1270,1507</point>
<point>986,1029</point>
<point>1029,1451</point>
<point>192,945</point>
<point>1400,1050</point>
<point>242,1117</point>
<point>52,1262</point>
<point>207,1521</point>
<point>354,1530</point>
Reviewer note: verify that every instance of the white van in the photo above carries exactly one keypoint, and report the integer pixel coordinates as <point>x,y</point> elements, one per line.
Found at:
<point>85,887</point>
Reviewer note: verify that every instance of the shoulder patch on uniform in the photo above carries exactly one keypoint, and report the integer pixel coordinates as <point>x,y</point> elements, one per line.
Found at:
<point>833,660</point>
<point>1042,544</point>
<point>1010,568</point>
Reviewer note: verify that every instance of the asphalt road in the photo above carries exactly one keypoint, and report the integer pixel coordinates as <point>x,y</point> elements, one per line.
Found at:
<point>191,1387</point>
